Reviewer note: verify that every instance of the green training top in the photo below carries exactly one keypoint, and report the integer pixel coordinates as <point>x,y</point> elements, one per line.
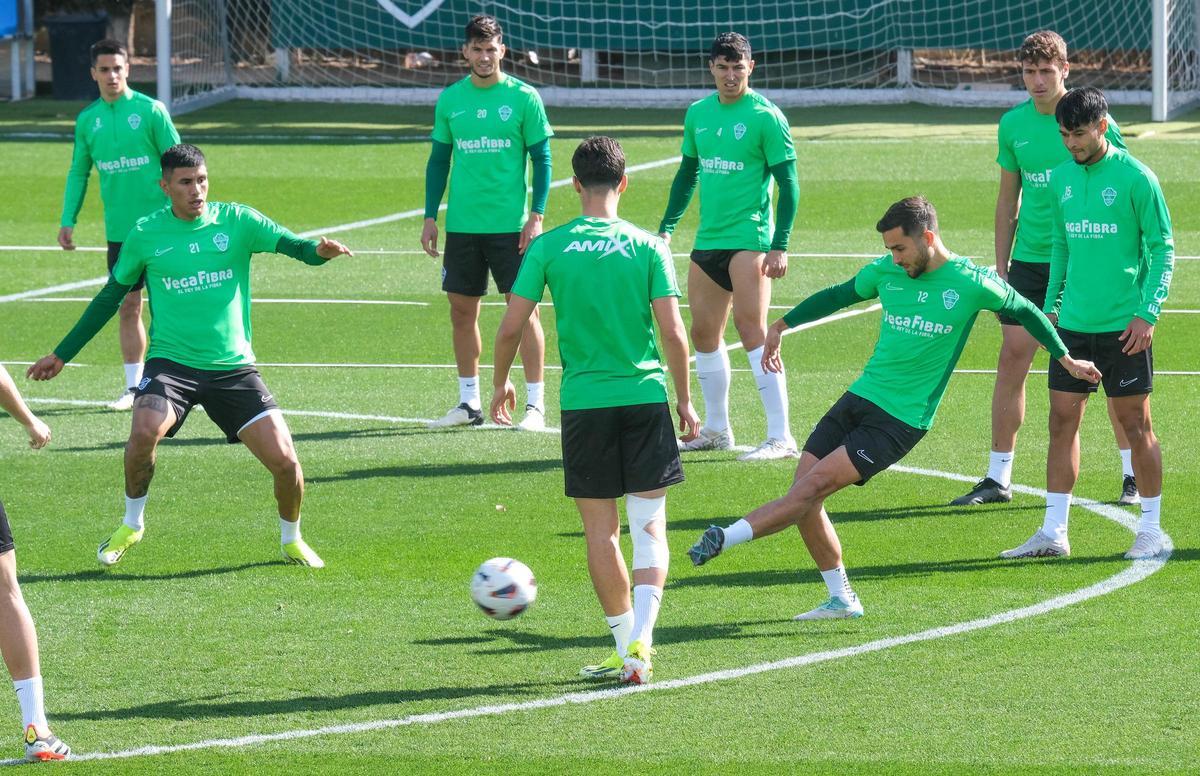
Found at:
<point>923,328</point>
<point>198,278</point>
<point>737,145</point>
<point>489,130</point>
<point>124,140</point>
<point>1031,146</point>
<point>1113,248</point>
<point>603,275</point>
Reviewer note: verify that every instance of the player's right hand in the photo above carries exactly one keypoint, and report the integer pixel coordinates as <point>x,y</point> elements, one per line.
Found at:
<point>45,368</point>
<point>66,238</point>
<point>429,237</point>
<point>1081,370</point>
<point>39,433</point>
<point>504,401</point>
<point>689,421</point>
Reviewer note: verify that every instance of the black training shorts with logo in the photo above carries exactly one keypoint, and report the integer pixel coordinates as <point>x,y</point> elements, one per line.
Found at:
<point>873,439</point>
<point>1123,375</point>
<point>114,253</point>
<point>468,257</point>
<point>233,398</point>
<point>6,537</point>
<point>1029,279</point>
<point>611,451</point>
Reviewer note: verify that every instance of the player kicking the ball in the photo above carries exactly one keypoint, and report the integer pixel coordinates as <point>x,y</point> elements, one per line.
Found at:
<point>930,300</point>
<point>196,257</point>
<point>611,284</point>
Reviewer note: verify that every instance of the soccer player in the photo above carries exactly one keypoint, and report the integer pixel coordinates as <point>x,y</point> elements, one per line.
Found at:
<point>1030,147</point>
<point>611,284</point>
<point>930,300</point>
<point>123,134</point>
<point>488,122</point>
<point>195,255</point>
<point>735,142</point>
<point>18,636</point>
<point>1110,273</point>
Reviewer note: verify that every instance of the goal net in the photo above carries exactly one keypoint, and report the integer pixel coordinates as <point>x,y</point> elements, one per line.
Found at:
<point>652,52</point>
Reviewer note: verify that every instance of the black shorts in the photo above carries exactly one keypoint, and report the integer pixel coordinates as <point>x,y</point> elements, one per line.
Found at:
<point>716,265</point>
<point>114,253</point>
<point>873,438</point>
<point>6,537</point>
<point>467,258</point>
<point>1122,375</point>
<point>611,451</point>
<point>233,398</point>
<point>1029,279</point>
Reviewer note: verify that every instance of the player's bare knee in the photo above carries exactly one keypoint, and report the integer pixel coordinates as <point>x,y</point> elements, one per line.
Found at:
<point>751,331</point>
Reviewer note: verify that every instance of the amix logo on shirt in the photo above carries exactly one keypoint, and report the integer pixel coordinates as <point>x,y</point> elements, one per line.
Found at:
<point>723,166</point>
<point>124,164</point>
<point>915,324</point>
<point>608,247</point>
<point>483,145</point>
<point>199,282</point>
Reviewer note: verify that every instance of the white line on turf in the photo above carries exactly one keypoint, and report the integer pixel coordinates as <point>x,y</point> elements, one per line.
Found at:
<point>1137,571</point>
<point>53,289</point>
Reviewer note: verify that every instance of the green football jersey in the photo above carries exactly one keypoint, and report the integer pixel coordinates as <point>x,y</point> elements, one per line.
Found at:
<point>1113,249</point>
<point>198,279</point>
<point>125,140</point>
<point>1031,146</point>
<point>923,328</point>
<point>603,275</point>
<point>489,131</point>
<point>737,146</point>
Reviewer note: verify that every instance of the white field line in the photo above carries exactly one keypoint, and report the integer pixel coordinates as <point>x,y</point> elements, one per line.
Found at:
<point>53,289</point>
<point>1137,571</point>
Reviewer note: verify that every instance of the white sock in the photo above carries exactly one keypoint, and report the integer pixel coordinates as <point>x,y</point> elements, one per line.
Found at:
<point>646,600</point>
<point>1150,514</point>
<point>1126,462</point>
<point>534,395</point>
<point>1000,467</point>
<point>33,704</point>
<point>1057,507</point>
<point>838,583</point>
<point>621,626</point>
<point>712,370</point>
<point>737,533</point>
<point>133,375</point>
<point>468,392</point>
<point>772,390</point>
<point>135,511</point>
<point>288,531</point>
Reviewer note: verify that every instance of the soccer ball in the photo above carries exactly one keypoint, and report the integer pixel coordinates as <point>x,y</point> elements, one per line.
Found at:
<point>503,588</point>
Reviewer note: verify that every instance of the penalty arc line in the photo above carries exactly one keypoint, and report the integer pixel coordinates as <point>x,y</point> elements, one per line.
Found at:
<point>1137,571</point>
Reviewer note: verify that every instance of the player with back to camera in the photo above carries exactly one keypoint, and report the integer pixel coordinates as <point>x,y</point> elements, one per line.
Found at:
<point>930,298</point>
<point>735,142</point>
<point>488,123</point>
<point>1030,147</point>
<point>1110,272</point>
<point>18,636</point>
<point>195,255</point>
<point>611,283</point>
<point>123,134</point>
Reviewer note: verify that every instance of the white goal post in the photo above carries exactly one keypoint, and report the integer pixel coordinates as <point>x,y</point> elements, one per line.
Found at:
<point>651,52</point>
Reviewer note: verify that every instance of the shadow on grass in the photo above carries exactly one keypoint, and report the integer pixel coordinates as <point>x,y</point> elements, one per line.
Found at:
<point>103,575</point>
<point>388,432</point>
<point>446,470</point>
<point>215,706</point>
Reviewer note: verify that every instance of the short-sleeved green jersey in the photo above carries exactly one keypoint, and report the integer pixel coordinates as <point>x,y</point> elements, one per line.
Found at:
<point>1113,248</point>
<point>1031,146</point>
<point>489,131</point>
<point>603,275</point>
<point>198,279</point>
<point>737,146</point>
<point>125,140</point>
<point>924,326</point>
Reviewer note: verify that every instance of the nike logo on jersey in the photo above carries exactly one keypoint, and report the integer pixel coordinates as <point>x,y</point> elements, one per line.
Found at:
<point>161,251</point>
<point>457,113</point>
<point>1020,144</point>
<point>863,455</point>
<point>701,129</point>
<point>893,287</point>
<point>1125,383</point>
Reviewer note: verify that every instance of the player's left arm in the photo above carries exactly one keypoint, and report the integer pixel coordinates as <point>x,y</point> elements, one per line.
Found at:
<point>1037,324</point>
<point>508,339</point>
<point>1154,221</point>
<point>165,134</point>
<point>12,403</point>
<point>786,205</point>
<point>314,252</point>
<point>543,166</point>
<point>1059,255</point>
